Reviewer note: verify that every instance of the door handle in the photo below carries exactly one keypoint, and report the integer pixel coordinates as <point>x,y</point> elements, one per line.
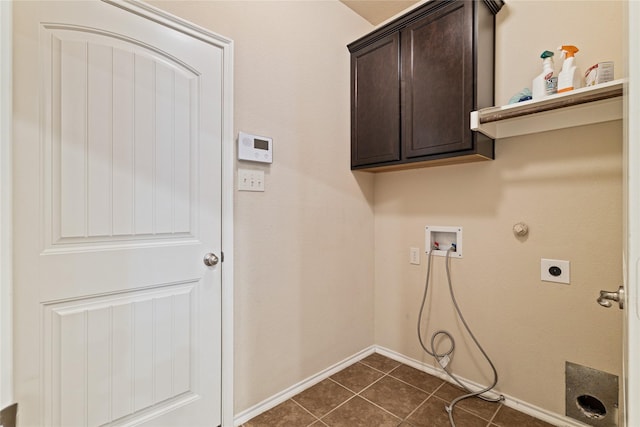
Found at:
<point>210,259</point>
<point>607,297</point>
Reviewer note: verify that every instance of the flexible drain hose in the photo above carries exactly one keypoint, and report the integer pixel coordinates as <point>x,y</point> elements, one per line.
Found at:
<point>442,356</point>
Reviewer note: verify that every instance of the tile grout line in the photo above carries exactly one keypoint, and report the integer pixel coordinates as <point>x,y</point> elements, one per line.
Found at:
<point>418,388</point>
<point>351,397</point>
<point>387,374</point>
<point>416,408</point>
<point>355,394</point>
<point>495,414</point>
<point>475,414</point>
<point>306,410</point>
<point>429,394</point>
<point>432,394</point>
<point>380,407</point>
<point>336,408</point>
<point>367,387</point>
<point>411,385</point>
<point>358,394</point>
<point>320,421</point>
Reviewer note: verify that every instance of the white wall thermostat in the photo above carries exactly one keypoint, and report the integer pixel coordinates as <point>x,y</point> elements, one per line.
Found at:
<point>255,148</point>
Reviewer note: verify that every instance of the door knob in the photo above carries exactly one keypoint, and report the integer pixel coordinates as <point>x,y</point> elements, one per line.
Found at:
<point>210,259</point>
<point>606,297</point>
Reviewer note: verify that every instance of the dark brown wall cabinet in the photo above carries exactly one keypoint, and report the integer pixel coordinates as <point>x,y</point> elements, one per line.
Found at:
<point>414,83</point>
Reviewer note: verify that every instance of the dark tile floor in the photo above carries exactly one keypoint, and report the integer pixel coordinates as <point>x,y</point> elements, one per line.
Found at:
<point>380,392</point>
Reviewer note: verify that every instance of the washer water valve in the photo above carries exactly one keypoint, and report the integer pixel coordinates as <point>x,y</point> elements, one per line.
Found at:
<point>521,229</point>
<point>438,240</point>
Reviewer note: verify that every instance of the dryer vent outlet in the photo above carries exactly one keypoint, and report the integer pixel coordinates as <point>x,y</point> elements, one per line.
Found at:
<point>591,395</point>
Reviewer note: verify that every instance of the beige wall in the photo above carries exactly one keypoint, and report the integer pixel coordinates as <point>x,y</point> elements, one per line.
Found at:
<point>566,185</point>
<point>525,28</point>
<point>304,247</point>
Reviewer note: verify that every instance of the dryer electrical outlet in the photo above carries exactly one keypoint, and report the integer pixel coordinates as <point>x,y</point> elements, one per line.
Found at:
<point>555,270</point>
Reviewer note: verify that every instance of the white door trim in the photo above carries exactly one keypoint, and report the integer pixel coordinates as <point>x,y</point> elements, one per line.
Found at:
<point>632,224</point>
<point>6,324</point>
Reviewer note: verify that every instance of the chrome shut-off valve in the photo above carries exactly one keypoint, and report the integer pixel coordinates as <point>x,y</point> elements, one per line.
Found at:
<point>607,297</point>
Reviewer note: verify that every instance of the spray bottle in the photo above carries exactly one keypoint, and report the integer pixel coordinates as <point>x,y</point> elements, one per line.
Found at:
<point>544,84</point>
<point>569,77</point>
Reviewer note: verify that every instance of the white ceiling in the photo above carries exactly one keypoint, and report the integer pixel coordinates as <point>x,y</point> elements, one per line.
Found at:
<point>377,11</point>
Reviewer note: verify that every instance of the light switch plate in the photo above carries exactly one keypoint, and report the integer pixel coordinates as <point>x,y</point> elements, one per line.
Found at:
<point>414,256</point>
<point>250,180</point>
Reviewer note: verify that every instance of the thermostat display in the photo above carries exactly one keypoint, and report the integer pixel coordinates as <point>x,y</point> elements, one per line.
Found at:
<point>255,148</point>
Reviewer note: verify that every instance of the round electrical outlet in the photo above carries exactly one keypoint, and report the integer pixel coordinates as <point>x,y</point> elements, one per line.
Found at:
<point>555,271</point>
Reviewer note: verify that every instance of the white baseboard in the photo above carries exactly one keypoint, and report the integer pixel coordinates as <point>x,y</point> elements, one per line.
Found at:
<point>519,405</point>
<point>510,401</point>
<point>287,394</point>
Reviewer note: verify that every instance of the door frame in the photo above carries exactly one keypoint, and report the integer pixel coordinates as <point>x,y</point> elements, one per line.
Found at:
<point>631,210</point>
<point>227,160</point>
<point>6,117</point>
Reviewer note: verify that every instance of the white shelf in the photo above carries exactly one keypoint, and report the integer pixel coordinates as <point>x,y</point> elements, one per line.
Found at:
<point>594,104</point>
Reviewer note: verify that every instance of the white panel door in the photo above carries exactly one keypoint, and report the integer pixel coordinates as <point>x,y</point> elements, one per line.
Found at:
<point>117,173</point>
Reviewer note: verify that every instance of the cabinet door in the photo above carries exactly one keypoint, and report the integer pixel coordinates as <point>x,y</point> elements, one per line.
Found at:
<point>438,76</point>
<point>375,102</point>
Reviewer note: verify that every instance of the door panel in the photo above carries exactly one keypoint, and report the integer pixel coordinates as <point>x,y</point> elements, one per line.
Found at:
<point>375,115</point>
<point>118,165</point>
<point>122,154</point>
<point>155,371</point>
<point>438,82</point>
